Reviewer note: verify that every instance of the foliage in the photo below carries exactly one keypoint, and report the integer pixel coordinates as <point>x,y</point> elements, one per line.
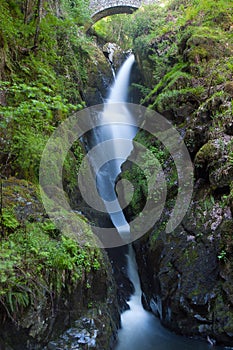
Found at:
<point>185,53</point>
<point>175,98</point>
<point>169,79</point>
<point>78,10</point>
<point>37,261</point>
<point>43,72</point>
<point>41,85</point>
<point>186,45</point>
<point>9,220</point>
<point>111,29</point>
<point>144,90</point>
<point>157,163</point>
<point>31,263</point>
<point>28,122</point>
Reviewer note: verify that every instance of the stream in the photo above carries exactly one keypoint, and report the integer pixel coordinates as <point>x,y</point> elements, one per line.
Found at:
<point>140,329</point>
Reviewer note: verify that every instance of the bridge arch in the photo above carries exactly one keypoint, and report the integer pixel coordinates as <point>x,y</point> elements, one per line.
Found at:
<point>112,11</point>
<point>103,8</point>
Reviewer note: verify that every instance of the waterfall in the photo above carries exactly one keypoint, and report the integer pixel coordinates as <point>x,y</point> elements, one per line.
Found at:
<point>118,128</point>
<point>140,330</point>
<point>119,90</point>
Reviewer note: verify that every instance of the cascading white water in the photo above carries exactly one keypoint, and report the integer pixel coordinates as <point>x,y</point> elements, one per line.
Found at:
<point>119,90</point>
<point>114,109</point>
<point>140,330</point>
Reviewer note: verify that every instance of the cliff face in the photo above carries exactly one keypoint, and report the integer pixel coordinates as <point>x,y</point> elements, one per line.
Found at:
<point>187,281</point>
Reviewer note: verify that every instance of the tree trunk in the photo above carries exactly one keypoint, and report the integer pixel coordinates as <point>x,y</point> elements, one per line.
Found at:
<point>26,11</point>
<point>38,20</point>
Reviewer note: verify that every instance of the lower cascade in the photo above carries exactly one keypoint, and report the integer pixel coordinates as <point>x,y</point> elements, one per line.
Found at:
<point>141,330</point>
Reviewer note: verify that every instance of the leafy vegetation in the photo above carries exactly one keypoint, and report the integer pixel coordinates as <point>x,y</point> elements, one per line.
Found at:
<point>36,260</point>
<point>112,29</point>
<point>42,76</point>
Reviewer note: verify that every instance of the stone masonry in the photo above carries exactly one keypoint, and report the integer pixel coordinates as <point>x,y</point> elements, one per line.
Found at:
<point>103,8</point>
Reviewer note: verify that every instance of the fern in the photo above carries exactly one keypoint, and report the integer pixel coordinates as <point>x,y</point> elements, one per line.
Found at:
<point>171,75</point>
<point>170,99</point>
<point>143,89</point>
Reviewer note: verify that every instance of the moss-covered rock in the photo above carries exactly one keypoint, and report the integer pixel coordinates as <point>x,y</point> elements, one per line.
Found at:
<point>205,44</point>
<point>229,88</point>
<point>214,159</point>
<point>99,78</point>
<point>48,281</point>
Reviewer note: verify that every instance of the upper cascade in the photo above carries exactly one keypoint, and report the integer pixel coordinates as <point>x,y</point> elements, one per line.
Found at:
<point>117,131</point>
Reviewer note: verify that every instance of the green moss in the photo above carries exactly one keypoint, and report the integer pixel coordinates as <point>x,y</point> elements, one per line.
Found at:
<point>170,78</point>
<point>198,53</point>
<point>229,88</point>
<point>176,98</point>
<point>189,256</point>
<point>34,256</point>
<point>206,155</point>
<point>160,228</point>
<point>197,291</point>
<point>206,43</point>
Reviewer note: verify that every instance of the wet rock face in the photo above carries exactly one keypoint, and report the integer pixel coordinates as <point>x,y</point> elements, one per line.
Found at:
<point>125,287</point>
<point>99,79</point>
<point>115,55</point>
<point>186,284</point>
<point>86,333</point>
<point>83,333</point>
<point>214,160</point>
<point>100,75</point>
<point>187,276</point>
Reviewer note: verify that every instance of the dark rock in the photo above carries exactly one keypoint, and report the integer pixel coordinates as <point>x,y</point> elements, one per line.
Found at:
<point>181,275</point>
<point>229,127</point>
<point>209,157</point>
<point>115,55</point>
<point>124,286</point>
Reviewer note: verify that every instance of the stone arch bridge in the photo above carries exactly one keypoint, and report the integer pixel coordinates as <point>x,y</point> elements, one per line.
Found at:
<point>104,8</point>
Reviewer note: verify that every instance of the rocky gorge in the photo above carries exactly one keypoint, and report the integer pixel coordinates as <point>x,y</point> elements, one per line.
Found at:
<point>183,71</point>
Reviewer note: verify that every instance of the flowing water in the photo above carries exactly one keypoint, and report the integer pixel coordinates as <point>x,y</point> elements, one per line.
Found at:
<point>140,330</point>
<point>117,131</point>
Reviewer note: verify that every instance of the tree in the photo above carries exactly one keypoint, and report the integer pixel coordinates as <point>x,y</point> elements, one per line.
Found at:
<point>39,14</point>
